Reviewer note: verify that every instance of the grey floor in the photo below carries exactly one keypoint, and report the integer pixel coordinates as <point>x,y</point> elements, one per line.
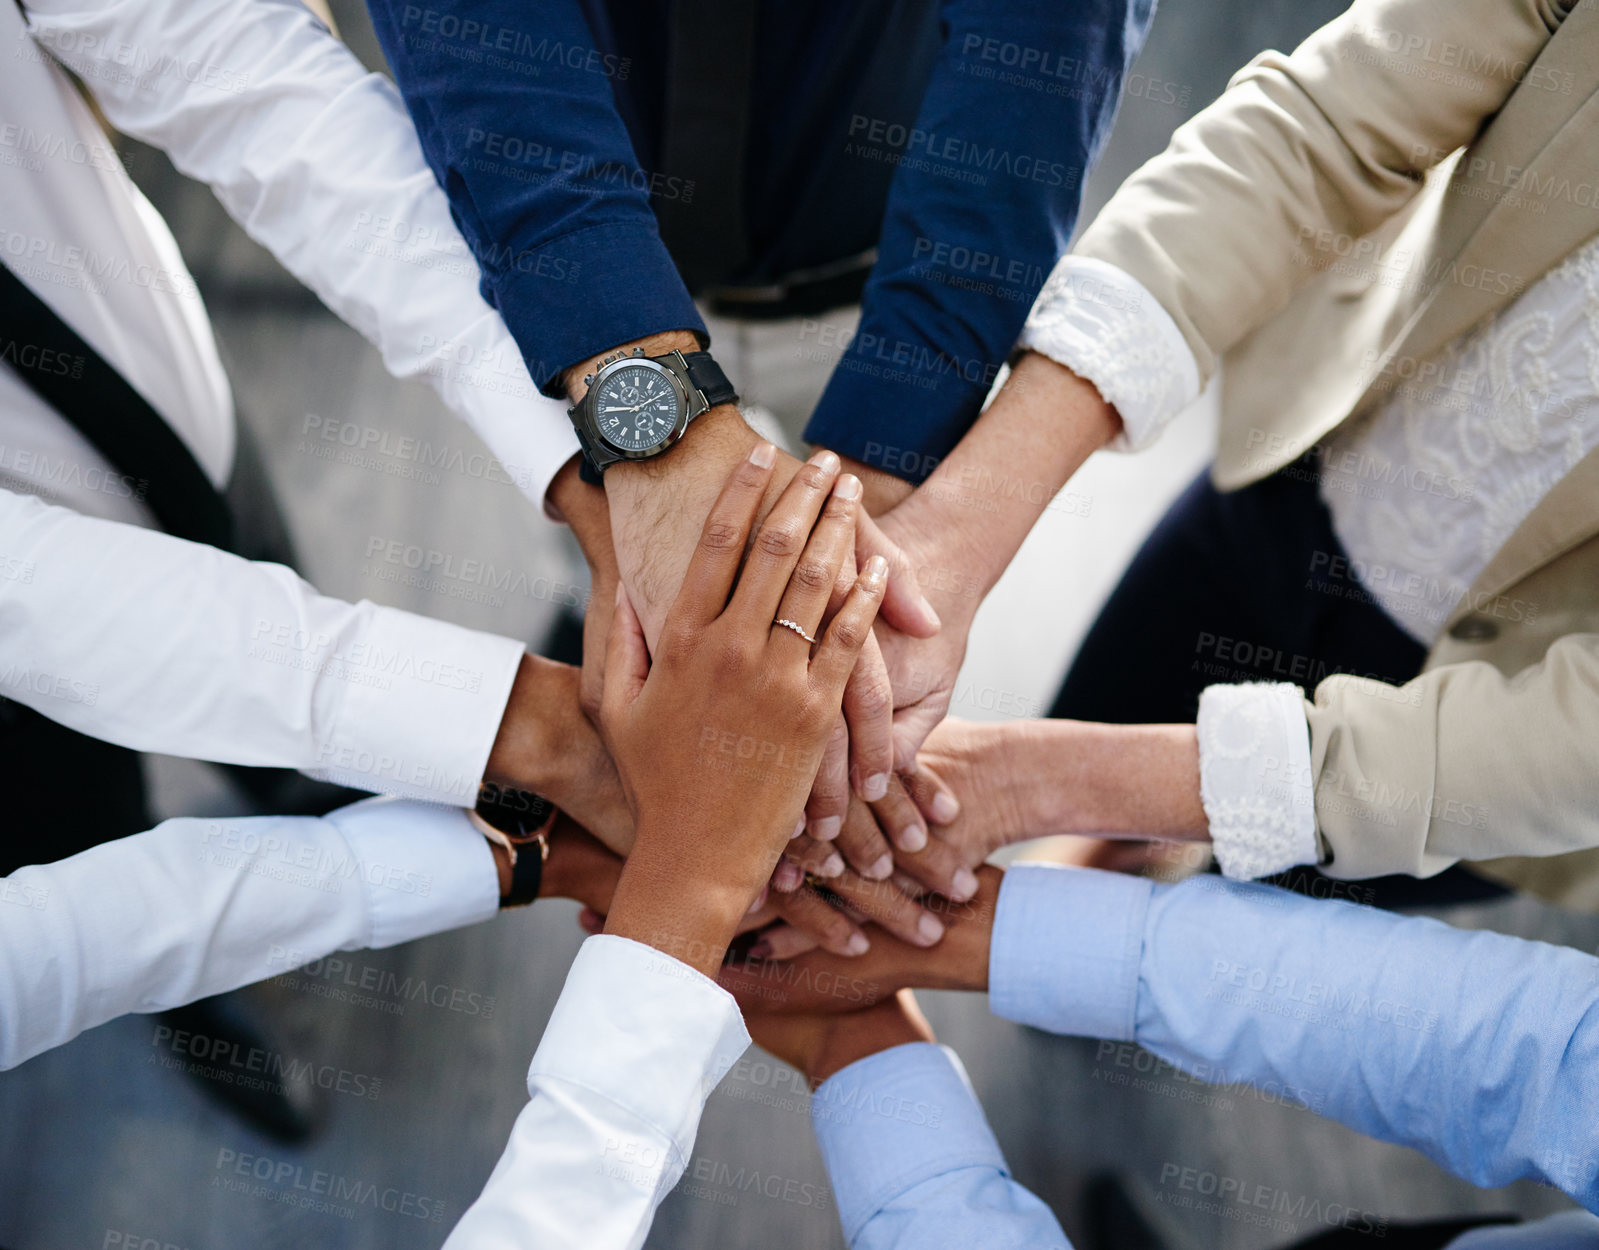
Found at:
<point>103,1145</point>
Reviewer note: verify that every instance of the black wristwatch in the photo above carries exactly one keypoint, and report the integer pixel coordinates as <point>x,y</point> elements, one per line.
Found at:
<point>519,822</point>
<point>637,406</point>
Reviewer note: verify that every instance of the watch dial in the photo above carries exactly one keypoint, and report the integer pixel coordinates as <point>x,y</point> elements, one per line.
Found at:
<point>636,408</point>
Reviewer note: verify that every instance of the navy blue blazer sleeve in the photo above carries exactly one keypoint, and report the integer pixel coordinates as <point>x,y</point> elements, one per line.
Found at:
<point>982,204</point>
<point>514,107</point>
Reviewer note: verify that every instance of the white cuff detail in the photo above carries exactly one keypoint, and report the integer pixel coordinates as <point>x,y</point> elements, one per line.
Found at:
<point>1254,778</point>
<point>1103,325</point>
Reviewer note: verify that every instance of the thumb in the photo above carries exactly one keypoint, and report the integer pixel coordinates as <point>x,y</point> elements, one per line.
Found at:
<point>904,605</point>
<point>627,659</point>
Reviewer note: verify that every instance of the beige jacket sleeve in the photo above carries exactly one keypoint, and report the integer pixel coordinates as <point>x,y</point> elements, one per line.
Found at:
<point>1336,137</point>
<point>1460,763</point>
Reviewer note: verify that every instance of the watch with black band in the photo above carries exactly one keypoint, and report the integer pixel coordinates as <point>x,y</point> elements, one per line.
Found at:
<point>637,406</point>
<point>519,822</point>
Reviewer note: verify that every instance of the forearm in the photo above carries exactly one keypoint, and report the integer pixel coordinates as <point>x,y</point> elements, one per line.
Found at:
<point>1347,1009</point>
<point>985,498</point>
<point>195,907</point>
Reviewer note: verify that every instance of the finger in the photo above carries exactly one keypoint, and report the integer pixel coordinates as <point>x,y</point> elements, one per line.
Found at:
<point>815,577</point>
<point>913,722</point>
<point>829,800</point>
<point>782,941</point>
<point>887,905</point>
<point>779,542</point>
<point>869,709</point>
<point>899,818</point>
<point>905,607</point>
<point>934,800</point>
<point>939,867</point>
<point>815,857</point>
<point>714,565</point>
<point>590,921</point>
<point>862,845</point>
<point>788,876</point>
<point>807,910</point>
<point>627,658</point>
<point>849,629</point>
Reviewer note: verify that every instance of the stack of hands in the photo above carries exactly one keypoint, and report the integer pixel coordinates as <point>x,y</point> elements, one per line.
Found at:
<point>897,807</point>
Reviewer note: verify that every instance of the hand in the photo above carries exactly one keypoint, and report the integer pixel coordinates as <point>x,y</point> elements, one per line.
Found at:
<point>825,983</point>
<point>822,1045</point>
<point>710,827</point>
<point>656,507</point>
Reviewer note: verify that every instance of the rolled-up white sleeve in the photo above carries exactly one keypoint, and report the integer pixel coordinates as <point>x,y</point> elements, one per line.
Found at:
<point>1255,778</point>
<point>635,1046</point>
<point>158,644</point>
<point>197,906</point>
<point>318,160</point>
<point>1101,323</point>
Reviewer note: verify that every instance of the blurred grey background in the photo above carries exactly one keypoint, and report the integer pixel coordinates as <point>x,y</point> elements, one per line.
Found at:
<point>101,1145</point>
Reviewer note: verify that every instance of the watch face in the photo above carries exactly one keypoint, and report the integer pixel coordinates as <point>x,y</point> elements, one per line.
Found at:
<point>635,408</point>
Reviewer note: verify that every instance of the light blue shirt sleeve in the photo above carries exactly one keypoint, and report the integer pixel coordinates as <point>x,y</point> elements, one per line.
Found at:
<point>1477,1049</point>
<point>913,1162</point>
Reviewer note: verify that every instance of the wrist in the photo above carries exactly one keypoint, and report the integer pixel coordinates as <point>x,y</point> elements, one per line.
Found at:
<point>535,748</point>
<point>688,911</point>
<point>1134,780</point>
<point>583,507</point>
<point>860,1036</point>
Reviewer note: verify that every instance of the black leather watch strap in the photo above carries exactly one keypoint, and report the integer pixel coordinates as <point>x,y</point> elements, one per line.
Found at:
<point>708,378</point>
<point>527,875</point>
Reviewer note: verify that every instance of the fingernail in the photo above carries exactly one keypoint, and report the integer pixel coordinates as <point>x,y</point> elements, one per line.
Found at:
<point>760,950</point>
<point>911,838</point>
<point>964,885</point>
<point>857,944</point>
<point>826,461</point>
<point>787,877</point>
<point>945,808</point>
<point>875,573</point>
<point>832,866</point>
<point>880,869</point>
<point>826,829</point>
<point>933,620</point>
<point>875,788</point>
<point>621,593</point>
<point>847,487</point>
<point>760,901</point>
<point>799,828</point>
<point>763,455</point>
<point>929,928</point>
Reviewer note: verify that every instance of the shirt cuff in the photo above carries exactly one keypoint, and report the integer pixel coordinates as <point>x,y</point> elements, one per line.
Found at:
<point>1102,324</point>
<point>422,707</point>
<point>1066,949</point>
<point>645,1032</point>
<point>424,869</point>
<point>894,1120</point>
<point>1255,778</point>
<point>625,287</point>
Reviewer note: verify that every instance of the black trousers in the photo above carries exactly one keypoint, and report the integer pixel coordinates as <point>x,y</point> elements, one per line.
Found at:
<point>1245,586</point>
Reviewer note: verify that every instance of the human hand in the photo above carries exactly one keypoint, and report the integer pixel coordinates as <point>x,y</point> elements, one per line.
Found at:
<point>709,832</point>
<point>825,983</point>
<point>822,1045</point>
<point>656,507</point>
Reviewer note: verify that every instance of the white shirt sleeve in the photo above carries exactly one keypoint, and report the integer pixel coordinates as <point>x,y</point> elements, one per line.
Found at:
<point>635,1046</point>
<point>1105,326</point>
<point>195,907</point>
<point>158,644</point>
<point>1255,778</point>
<point>318,160</point>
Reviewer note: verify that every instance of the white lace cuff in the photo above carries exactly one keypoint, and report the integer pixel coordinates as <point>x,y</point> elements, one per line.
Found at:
<point>1103,325</point>
<point>1254,778</point>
